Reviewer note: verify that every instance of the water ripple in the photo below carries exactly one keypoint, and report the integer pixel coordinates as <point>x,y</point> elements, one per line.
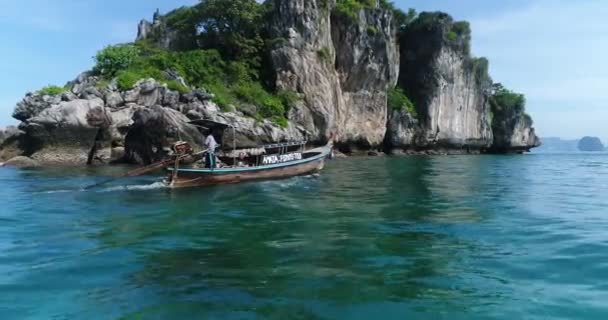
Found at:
<point>419,237</point>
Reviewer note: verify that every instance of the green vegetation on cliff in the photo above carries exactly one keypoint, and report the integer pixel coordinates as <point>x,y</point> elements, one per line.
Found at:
<point>220,48</point>
<point>456,33</point>
<point>398,100</point>
<point>507,105</point>
<point>351,9</point>
<point>230,81</point>
<point>51,90</point>
<point>505,100</point>
<point>113,59</point>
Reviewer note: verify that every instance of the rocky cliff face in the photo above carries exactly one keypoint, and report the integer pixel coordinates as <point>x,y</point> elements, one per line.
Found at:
<point>343,67</point>
<point>449,89</point>
<point>96,122</point>
<point>9,143</point>
<point>513,132</point>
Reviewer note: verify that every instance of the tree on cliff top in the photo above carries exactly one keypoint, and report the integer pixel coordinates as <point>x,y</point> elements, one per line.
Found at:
<point>351,8</point>
<point>504,99</point>
<point>457,34</point>
<point>112,59</point>
<point>232,27</point>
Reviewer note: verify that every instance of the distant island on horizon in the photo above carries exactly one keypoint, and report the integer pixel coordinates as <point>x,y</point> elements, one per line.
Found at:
<point>584,144</point>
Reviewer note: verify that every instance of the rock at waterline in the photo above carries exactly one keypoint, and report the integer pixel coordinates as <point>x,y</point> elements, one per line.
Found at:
<point>21,162</point>
<point>590,144</point>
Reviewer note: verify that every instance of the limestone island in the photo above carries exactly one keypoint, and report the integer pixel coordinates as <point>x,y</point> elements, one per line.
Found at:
<point>380,79</point>
<point>590,144</point>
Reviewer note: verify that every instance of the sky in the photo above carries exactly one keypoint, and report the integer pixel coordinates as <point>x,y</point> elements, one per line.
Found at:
<point>550,50</point>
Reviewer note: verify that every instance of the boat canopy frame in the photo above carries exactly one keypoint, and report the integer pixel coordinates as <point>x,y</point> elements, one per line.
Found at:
<point>209,124</point>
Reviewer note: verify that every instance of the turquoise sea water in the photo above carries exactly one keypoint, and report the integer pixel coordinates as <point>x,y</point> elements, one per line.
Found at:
<point>454,237</point>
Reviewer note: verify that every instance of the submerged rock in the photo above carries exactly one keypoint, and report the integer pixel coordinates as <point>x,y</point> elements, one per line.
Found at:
<point>21,162</point>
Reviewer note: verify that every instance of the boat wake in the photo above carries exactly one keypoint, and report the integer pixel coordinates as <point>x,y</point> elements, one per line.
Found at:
<point>58,191</point>
<point>293,182</point>
<point>137,187</point>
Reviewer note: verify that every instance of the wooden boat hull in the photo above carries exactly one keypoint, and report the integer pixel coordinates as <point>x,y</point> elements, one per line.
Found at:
<point>185,178</point>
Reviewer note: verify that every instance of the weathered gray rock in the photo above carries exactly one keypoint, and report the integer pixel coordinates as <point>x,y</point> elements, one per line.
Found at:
<point>113,100</point>
<point>513,132</point>
<point>342,70</point>
<point>449,88</point>
<point>145,92</point>
<point>171,99</point>
<point>248,109</point>
<point>31,105</point>
<point>251,133</point>
<point>91,93</point>
<point>367,62</point>
<point>131,96</point>
<point>402,131</point>
<point>9,143</point>
<point>83,81</point>
<point>68,96</point>
<point>165,35</point>
<point>21,162</point>
<point>122,120</point>
<point>66,132</point>
<point>154,130</point>
<point>144,30</point>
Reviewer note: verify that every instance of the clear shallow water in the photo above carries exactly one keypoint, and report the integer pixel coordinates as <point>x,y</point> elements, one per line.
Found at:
<point>463,237</point>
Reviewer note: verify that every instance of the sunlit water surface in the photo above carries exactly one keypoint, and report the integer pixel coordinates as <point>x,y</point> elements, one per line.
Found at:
<point>454,237</point>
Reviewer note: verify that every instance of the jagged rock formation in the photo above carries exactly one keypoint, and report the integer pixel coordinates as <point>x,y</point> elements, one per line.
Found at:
<point>341,67</point>
<point>98,123</point>
<point>513,132</point>
<point>449,88</point>
<point>590,144</point>
<point>164,34</point>
<point>9,143</point>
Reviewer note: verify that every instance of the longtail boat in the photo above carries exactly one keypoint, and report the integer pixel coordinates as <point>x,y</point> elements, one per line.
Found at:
<point>274,161</point>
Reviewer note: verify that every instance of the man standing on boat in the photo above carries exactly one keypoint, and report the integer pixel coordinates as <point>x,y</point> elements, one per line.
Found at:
<point>210,144</point>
